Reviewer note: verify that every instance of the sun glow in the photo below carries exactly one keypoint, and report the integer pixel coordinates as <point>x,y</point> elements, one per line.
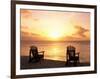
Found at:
<point>54,25</point>
<point>55,35</point>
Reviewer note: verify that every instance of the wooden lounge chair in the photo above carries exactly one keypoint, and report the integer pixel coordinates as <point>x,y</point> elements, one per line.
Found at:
<point>34,55</point>
<point>72,56</point>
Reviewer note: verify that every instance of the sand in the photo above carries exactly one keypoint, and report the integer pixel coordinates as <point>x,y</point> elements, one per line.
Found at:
<point>46,63</point>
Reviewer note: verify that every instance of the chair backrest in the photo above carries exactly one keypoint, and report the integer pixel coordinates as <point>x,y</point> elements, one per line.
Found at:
<point>34,50</point>
<point>71,51</point>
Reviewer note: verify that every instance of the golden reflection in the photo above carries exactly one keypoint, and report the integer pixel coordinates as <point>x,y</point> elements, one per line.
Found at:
<point>56,53</point>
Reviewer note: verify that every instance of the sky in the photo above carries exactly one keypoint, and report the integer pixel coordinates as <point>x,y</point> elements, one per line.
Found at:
<point>39,25</point>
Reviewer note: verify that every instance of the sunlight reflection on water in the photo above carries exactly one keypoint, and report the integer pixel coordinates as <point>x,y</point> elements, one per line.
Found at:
<point>57,50</point>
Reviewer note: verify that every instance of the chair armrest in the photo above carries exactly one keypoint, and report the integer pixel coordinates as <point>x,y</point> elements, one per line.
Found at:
<point>77,54</point>
<point>41,53</point>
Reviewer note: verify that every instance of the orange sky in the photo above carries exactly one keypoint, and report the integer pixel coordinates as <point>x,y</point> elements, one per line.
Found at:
<point>39,25</point>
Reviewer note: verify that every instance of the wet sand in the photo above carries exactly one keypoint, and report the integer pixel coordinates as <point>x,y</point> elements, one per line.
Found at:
<point>45,63</point>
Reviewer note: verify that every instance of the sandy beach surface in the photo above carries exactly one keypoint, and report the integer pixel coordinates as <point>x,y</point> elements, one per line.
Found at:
<point>45,63</point>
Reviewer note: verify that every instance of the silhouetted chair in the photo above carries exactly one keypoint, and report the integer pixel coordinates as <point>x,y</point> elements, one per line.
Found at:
<point>72,56</point>
<point>34,55</point>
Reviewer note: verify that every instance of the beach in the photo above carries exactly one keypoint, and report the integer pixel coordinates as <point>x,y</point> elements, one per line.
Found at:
<point>46,63</point>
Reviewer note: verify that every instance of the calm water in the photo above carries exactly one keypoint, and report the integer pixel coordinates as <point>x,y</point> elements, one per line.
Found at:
<point>57,50</point>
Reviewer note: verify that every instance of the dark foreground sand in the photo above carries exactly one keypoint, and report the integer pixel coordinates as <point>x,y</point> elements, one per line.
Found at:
<point>45,63</point>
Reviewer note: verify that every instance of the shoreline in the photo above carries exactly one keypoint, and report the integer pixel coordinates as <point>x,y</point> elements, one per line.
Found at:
<point>46,63</point>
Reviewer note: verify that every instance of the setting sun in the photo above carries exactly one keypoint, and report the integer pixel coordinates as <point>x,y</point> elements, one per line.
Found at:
<point>54,26</point>
<point>54,35</point>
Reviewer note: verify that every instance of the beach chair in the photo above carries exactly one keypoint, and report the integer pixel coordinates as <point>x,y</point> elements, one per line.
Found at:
<point>72,56</point>
<point>34,55</point>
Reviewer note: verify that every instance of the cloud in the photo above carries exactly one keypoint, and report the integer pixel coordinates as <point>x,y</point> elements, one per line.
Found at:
<point>26,13</point>
<point>80,32</point>
<point>26,36</point>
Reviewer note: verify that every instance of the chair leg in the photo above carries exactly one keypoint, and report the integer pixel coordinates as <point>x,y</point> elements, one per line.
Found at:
<point>30,60</point>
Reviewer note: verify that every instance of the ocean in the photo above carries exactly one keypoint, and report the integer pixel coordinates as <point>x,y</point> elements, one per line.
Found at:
<point>58,50</point>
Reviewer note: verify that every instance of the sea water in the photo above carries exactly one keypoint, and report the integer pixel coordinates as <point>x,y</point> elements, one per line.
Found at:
<point>58,50</point>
